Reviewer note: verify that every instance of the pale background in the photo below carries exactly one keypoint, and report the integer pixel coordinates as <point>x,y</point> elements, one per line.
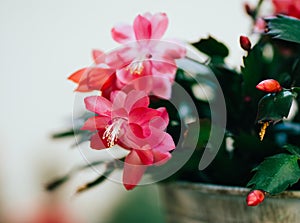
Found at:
<point>41,43</point>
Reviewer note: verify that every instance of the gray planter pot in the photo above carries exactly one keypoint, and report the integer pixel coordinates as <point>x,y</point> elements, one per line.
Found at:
<point>205,203</point>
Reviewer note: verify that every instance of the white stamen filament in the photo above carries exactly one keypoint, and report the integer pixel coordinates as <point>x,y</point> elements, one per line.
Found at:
<point>112,131</point>
<point>136,67</point>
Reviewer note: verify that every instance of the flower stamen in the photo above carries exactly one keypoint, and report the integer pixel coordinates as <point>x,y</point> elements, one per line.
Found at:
<point>263,130</point>
<point>112,132</point>
<point>136,67</point>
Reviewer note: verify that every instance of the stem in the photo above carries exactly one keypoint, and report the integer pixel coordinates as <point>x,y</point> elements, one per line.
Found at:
<point>194,60</point>
<point>257,8</point>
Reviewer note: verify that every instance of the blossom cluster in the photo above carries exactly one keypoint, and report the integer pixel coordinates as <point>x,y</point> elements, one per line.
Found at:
<point>136,91</point>
<point>142,67</point>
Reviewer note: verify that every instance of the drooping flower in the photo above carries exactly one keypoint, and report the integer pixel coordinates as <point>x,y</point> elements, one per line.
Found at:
<point>144,55</point>
<point>269,86</point>
<point>137,161</point>
<point>255,197</point>
<point>287,7</point>
<point>127,121</point>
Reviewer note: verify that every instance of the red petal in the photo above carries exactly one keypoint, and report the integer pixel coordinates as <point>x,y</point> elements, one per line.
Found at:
<point>136,99</point>
<point>76,76</point>
<point>269,86</point>
<point>96,122</point>
<point>139,131</point>
<point>80,77</point>
<point>97,77</point>
<point>255,197</point>
<point>146,156</point>
<point>143,115</point>
<point>98,105</point>
<point>161,158</point>
<point>133,170</point>
<point>142,28</point>
<point>97,142</point>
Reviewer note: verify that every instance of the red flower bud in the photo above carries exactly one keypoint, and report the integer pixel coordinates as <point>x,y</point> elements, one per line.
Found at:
<point>245,43</point>
<point>255,197</point>
<point>248,9</point>
<point>269,86</point>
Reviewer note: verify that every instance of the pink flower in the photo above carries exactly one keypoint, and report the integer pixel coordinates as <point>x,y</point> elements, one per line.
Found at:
<point>126,120</point>
<point>287,7</point>
<point>143,55</point>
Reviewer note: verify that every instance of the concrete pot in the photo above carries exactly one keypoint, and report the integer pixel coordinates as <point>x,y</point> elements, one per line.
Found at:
<point>205,203</point>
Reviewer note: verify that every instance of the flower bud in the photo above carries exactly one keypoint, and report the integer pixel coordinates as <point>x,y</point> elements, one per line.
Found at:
<point>255,197</point>
<point>245,43</point>
<point>269,86</point>
<point>248,9</point>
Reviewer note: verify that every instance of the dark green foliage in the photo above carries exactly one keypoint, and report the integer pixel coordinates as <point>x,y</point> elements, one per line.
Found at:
<point>276,173</point>
<point>284,28</point>
<point>274,107</point>
<point>216,50</point>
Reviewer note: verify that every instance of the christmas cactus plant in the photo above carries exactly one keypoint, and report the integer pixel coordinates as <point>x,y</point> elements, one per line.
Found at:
<point>180,116</point>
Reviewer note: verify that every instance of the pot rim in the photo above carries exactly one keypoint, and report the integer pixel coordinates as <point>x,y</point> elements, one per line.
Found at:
<point>222,189</point>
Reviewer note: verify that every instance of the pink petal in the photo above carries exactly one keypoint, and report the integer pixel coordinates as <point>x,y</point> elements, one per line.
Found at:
<point>136,99</point>
<point>143,115</point>
<point>165,143</point>
<point>98,56</point>
<point>124,76</point>
<point>122,33</point>
<point>139,131</point>
<point>133,170</point>
<point>162,121</point>
<point>119,106</point>
<point>97,142</point>
<point>98,105</point>
<point>146,156</point>
<point>162,87</point>
<point>139,120</point>
<point>121,57</point>
<point>161,158</point>
<point>118,98</point>
<point>159,22</point>
<point>95,122</point>
<point>166,69</point>
<point>142,28</point>
<point>177,51</point>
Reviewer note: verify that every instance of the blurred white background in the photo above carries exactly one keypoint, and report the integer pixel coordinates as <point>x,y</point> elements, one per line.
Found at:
<point>41,44</point>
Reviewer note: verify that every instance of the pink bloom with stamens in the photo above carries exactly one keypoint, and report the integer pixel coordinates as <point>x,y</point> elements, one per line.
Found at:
<point>127,121</point>
<point>143,54</point>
